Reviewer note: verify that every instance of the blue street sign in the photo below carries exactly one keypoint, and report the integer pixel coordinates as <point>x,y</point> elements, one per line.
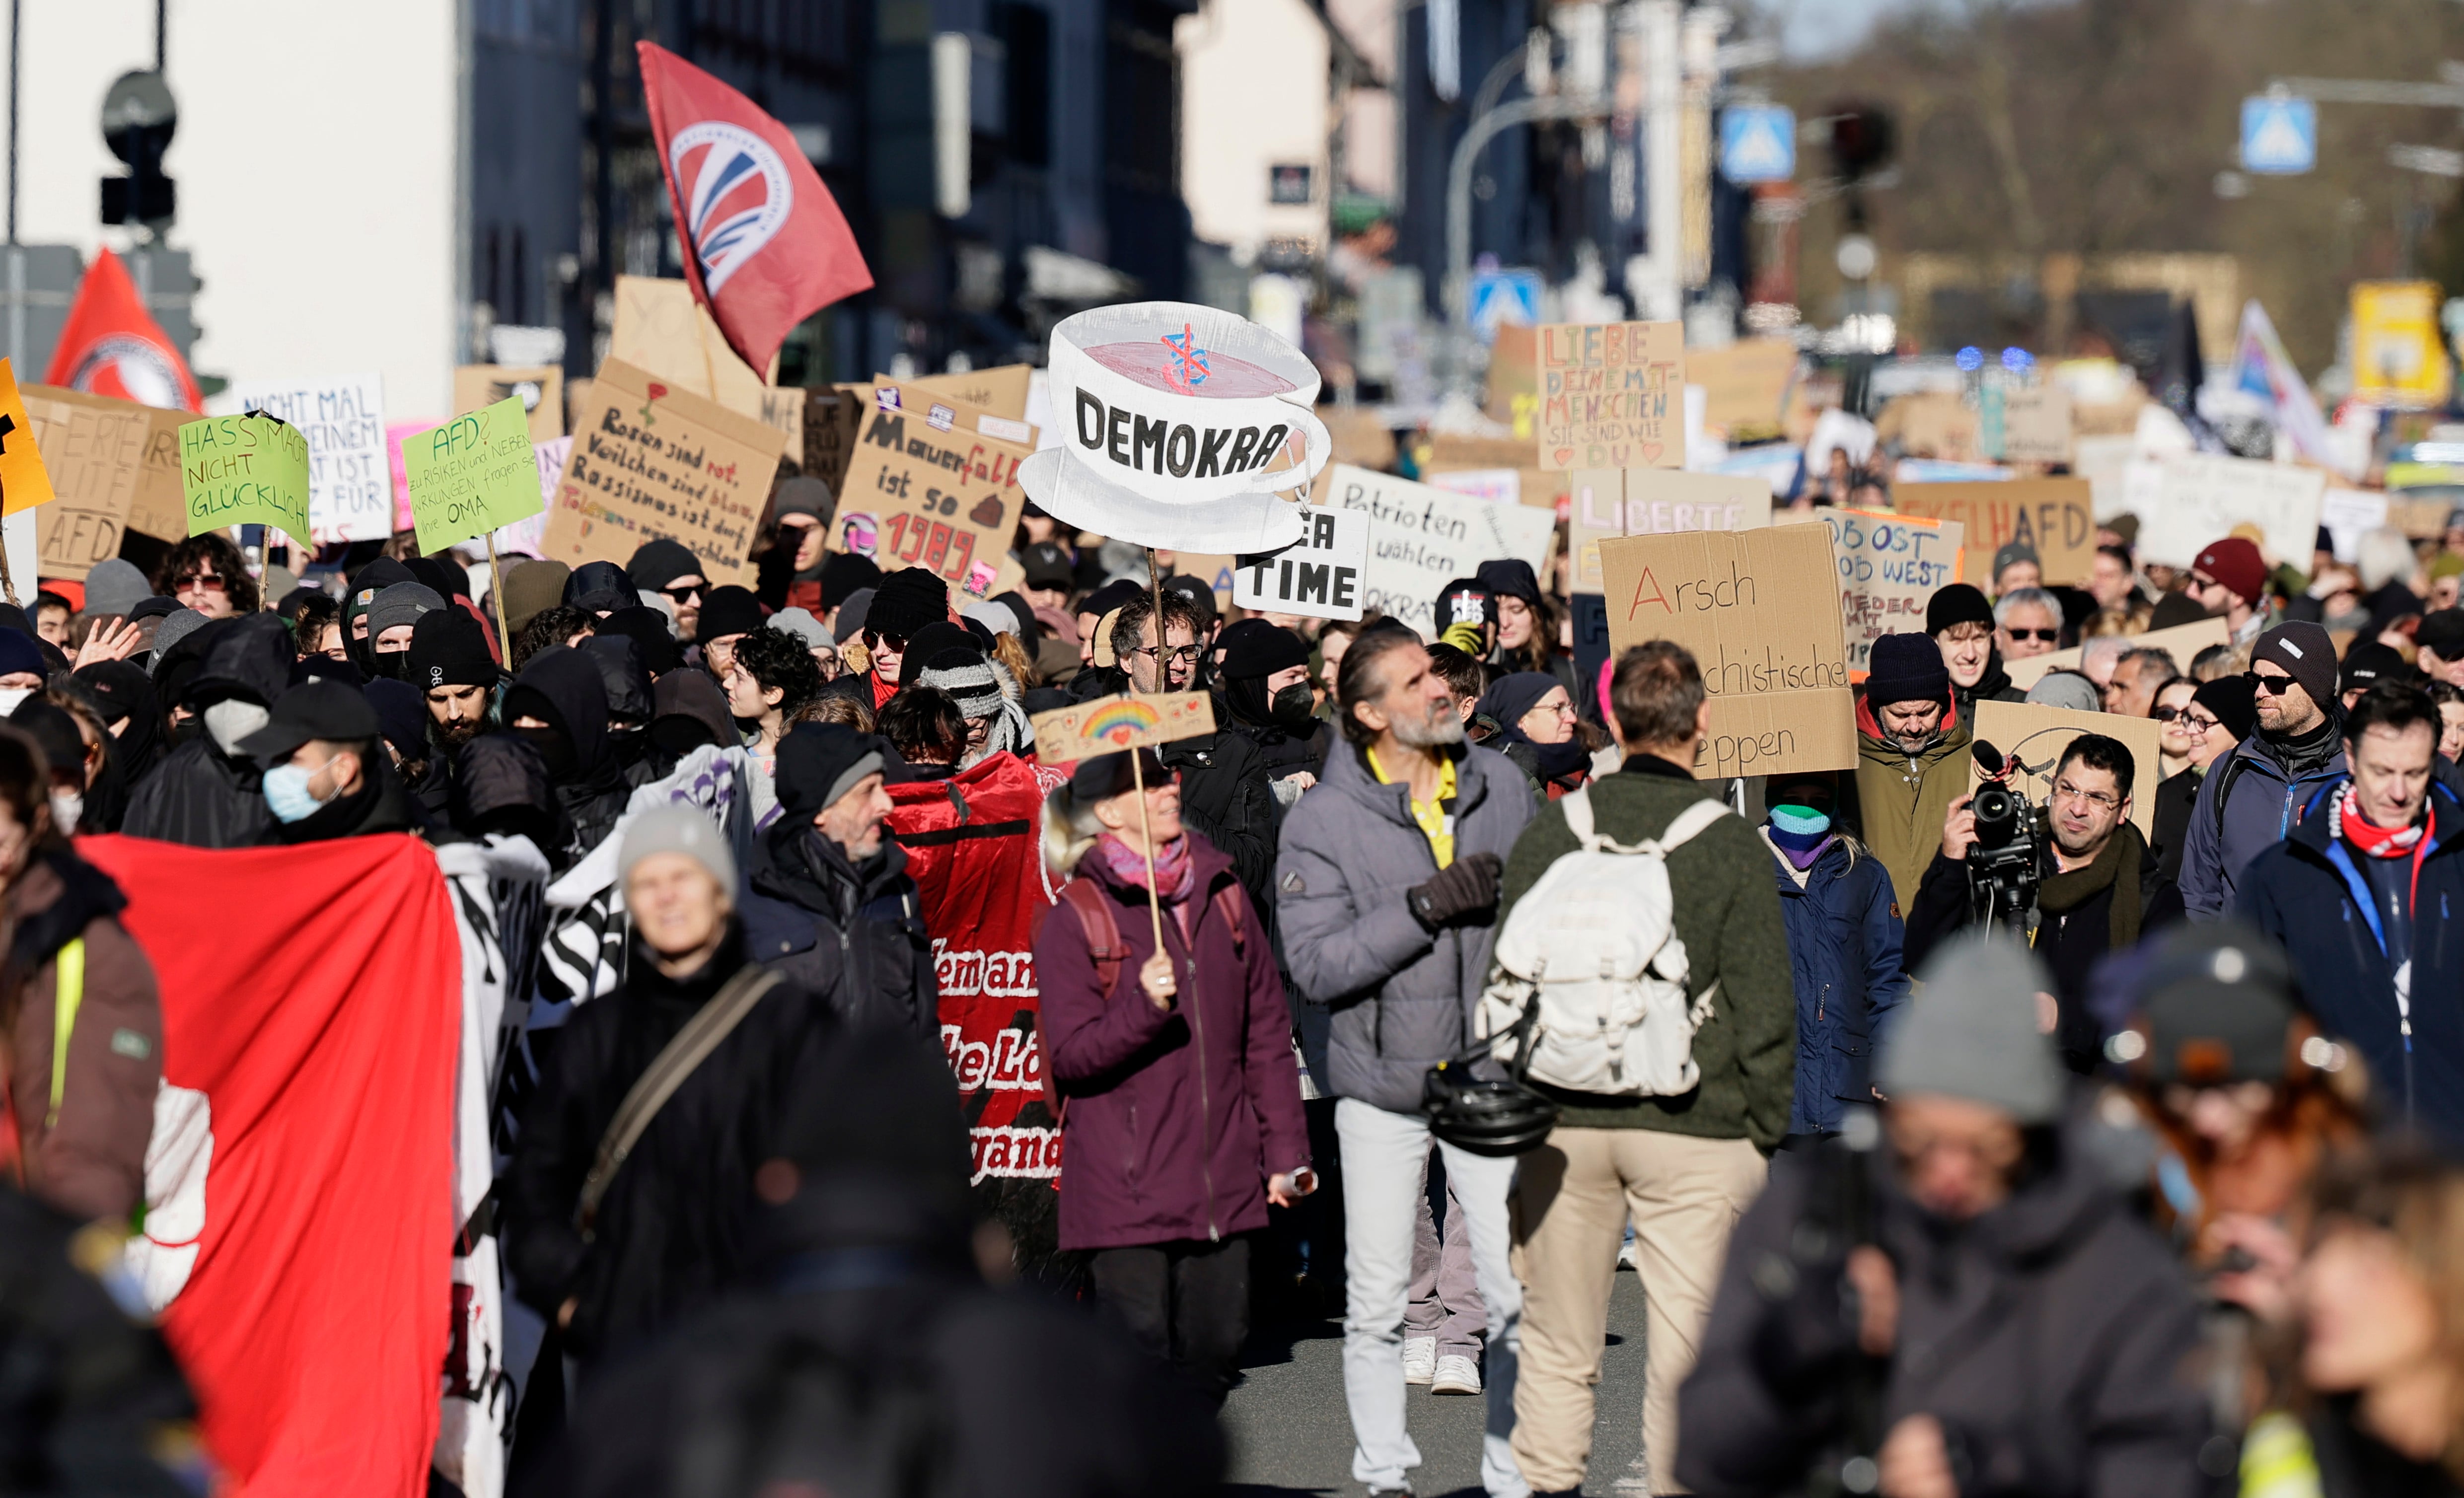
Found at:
<point>2279,134</point>
<point>1503,296</point>
<point>1757,143</point>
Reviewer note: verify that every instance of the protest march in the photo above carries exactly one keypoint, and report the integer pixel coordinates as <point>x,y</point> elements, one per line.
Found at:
<point>1697,907</point>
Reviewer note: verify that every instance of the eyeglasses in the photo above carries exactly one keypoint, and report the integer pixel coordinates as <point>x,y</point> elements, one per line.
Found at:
<point>2273,686</point>
<point>1561,709</point>
<point>2064,790</point>
<point>2198,723</point>
<point>195,581</point>
<point>2046,635</point>
<point>1182,654</point>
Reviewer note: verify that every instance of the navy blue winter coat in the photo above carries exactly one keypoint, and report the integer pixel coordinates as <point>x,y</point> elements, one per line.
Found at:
<point>1843,950</point>
<point>2307,893</point>
<point>2260,803</point>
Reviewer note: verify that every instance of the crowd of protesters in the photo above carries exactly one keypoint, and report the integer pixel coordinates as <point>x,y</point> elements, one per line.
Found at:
<point>2135,1183</point>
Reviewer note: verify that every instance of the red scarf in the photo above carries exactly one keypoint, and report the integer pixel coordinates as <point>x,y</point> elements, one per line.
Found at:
<point>882,691</point>
<point>2377,842</point>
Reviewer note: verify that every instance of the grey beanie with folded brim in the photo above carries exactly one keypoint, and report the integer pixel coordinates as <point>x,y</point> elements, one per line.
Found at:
<point>2066,689</point>
<point>676,829</point>
<point>1969,1031</point>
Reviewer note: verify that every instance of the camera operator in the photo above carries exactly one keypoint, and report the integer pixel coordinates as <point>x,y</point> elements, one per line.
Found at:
<point>2100,886</point>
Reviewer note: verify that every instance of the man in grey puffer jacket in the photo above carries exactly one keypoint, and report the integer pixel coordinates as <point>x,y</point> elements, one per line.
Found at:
<point>1386,888</point>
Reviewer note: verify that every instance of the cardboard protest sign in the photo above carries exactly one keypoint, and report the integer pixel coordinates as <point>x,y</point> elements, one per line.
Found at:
<point>158,506</point>
<point>2034,426</point>
<point>661,330</point>
<point>1513,381</point>
<point>96,457</point>
<point>1931,424</point>
<point>1000,390</point>
<point>350,486</point>
<point>2055,515</point>
<point>1890,567</point>
<point>1420,539</point>
<point>2201,497</point>
<point>2034,735</point>
<point>1124,722</point>
<point>1362,437</point>
<point>1317,576</point>
<point>1612,395</point>
<point>24,482</point>
<point>250,470</point>
<point>1775,670</point>
<point>832,418</point>
<point>527,537</point>
<point>1744,386</point>
<point>1656,501</point>
<point>472,475</point>
<point>2345,513</point>
<point>2182,642</point>
<point>2420,519</point>
<point>925,486</point>
<point>540,390</point>
<point>651,460</point>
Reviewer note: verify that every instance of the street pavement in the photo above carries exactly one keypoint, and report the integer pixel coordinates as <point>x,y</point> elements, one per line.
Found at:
<point>1291,1434</point>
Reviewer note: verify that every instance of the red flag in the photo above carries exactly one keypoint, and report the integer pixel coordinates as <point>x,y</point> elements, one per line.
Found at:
<point>299,1219</point>
<point>112,345</point>
<point>763,242</point>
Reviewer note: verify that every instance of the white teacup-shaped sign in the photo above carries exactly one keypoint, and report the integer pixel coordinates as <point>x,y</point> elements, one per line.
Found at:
<point>1171,415</point>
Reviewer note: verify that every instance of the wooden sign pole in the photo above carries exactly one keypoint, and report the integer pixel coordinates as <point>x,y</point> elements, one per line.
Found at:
<point>496,596</point>
<point>1137,770</point>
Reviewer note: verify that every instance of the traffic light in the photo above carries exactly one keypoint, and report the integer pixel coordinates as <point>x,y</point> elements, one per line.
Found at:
<point>1861,139</point>
<point>138,120</point>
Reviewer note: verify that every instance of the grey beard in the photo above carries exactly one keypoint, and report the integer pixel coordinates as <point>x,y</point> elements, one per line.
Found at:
<point>1446,728</point>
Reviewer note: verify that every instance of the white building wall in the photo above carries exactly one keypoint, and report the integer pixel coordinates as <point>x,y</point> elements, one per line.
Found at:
<point>1253,94</point>
<point>316,165</point>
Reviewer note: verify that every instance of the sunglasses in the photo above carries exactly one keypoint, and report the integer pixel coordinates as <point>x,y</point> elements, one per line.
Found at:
<point>684,592</point>
<point>207,581</point>
<point>2273,686</point>
<point>2046,635</point>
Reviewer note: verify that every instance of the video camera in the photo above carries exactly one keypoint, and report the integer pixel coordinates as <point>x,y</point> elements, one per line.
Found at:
<point>2005,862</point>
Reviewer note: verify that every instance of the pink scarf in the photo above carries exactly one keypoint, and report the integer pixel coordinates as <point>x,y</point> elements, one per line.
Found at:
<point>1176,871</point>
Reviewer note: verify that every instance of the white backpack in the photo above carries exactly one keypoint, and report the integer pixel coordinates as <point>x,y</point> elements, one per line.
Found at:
<point>1593,945</point>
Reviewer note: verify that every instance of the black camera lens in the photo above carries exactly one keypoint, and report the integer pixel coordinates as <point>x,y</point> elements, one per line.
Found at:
<point>1997,817</point>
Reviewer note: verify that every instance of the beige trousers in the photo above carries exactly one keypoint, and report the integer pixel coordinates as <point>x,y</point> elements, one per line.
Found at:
<point>1571,1199</point>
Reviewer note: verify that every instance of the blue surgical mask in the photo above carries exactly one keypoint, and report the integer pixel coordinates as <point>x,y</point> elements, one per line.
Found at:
<point>286,793</point>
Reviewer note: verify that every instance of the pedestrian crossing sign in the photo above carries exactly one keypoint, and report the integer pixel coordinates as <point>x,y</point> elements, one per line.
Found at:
<point>1758,144</point>
<point>2279,134</point>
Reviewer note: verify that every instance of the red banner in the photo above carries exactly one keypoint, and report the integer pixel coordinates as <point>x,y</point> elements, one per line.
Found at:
<point>299,1221</point>
<point>112,345</point>
<point>975,848</point>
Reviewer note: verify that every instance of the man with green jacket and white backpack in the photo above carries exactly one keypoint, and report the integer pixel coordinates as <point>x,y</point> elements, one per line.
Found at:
<point>1668,1128</point>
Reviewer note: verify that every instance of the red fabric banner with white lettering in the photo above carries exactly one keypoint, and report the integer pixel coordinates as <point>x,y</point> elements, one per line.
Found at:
<point>300,1222</point>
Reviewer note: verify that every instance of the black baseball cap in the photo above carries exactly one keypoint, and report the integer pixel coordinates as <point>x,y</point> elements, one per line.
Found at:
<point>1047,565</point>
<point>319,709</point>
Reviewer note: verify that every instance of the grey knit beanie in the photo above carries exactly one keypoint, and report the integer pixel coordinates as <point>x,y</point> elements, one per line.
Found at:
<point>176,625</point>
<point>115,587</point>
<point>2066,689</point>
<point>1969,1031</point>
<point>676,829</point>
<point>401,604</point>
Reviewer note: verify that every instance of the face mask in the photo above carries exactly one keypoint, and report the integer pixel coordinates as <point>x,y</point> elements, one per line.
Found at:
<point>392,664</point>
<point>1294,709</point>
<point>186,729</point>
<point>231,720</point>
<point>11,696</point>
<point>67,807</point>
<point>287,795</point>
<point>553,748</point>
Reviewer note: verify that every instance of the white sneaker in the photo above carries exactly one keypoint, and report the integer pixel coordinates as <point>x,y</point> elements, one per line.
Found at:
<point>1626,1255</point>
<point>1456,1375</point>
<point>1419,1358</point>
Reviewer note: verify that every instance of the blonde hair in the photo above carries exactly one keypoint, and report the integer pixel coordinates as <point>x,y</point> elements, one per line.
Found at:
<point>1069,829</point>
<point>1009,650</point>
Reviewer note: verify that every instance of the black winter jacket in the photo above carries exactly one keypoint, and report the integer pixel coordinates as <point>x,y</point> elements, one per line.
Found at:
<point>852,936</point>
<point>2049,1336</point>
<point>593,792</point>
<point>2309,892</point>
<point>675,1229</point>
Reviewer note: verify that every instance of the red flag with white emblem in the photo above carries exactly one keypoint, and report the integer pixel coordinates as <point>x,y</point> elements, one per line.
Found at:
<point>764,244</point>
<point>299,1214</point>
<point>112,345</point>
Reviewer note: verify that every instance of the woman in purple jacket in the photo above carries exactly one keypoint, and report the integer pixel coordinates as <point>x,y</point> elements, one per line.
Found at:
<point>1172,1070</point>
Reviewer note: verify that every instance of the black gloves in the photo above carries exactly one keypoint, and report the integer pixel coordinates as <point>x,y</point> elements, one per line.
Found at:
<point>1463,890</point>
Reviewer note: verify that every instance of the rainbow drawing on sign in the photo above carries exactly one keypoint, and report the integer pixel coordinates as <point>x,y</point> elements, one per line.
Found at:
<point>1121,721</point>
